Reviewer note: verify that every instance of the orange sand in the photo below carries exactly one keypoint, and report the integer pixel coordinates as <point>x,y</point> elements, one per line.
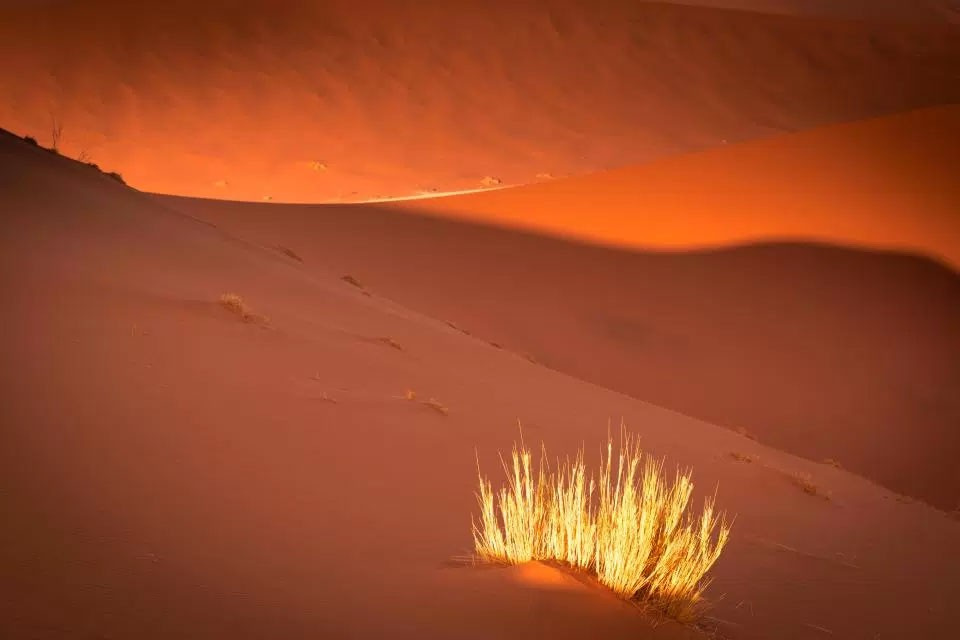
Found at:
<point>313,101</point>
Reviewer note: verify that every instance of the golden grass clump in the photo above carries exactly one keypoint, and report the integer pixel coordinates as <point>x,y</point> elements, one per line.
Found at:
<point>628,526</point>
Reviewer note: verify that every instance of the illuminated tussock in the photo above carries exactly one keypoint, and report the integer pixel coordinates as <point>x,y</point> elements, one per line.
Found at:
<point>629,526</point>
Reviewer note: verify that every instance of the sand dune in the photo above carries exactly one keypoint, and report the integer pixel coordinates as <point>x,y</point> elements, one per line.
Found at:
<point>170,470</point>
<point>886,183</point>
<point>352,100</point>
<point>892,10</point>
<point>705,247</point>
<point>842,352</point>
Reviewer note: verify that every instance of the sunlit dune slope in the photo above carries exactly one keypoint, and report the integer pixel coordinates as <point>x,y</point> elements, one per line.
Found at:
<point>315,101</point>
<point>844,352</point>
<point>885,183</point>
<point>888,10</point>
<point>169,470</point>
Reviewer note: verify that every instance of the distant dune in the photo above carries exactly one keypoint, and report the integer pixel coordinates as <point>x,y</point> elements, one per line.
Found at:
<point>844,352</point>
<point>357,99</point>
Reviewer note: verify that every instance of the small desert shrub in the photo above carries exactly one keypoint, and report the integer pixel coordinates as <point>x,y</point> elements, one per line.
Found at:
<point>629,527</point>
<point>56,133</point>
<point>806,484</point>
<point>235,304</point>
<point>116,176</point>
<point>432,403</point>
<point>32,141</point>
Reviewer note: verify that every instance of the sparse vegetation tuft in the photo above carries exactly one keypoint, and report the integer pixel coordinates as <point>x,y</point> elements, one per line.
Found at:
<point>116,176</point>
<point>56,133</point>
<point>629,526</point>
<point>32,141</point>
<point>235,304</point>
<point>806,484</point>
<point>432,403</point>
<point>742,457</point>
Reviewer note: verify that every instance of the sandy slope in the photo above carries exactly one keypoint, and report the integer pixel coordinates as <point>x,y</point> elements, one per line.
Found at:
<point>885,183</point>
<point>170,471</point>
<point>890,10</point>
<point>351,99</point>
<point>842,353</point>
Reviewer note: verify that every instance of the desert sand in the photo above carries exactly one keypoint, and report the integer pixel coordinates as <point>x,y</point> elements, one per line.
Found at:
<point>357,99</point>
<point>170,469</point>
<point>736,232</point>
<point>763,297</point>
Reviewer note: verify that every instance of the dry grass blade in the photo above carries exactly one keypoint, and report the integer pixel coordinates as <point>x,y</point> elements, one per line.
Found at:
<point>56,133</point>
<point>629,527</point>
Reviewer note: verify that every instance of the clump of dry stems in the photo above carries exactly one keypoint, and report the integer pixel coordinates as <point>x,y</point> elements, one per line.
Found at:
<point>629,526</point>
<point>235,304</point>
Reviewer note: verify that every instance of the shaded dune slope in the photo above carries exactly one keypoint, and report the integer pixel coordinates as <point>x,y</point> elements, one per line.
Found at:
<point>346,100</point>
<point>825,351</point>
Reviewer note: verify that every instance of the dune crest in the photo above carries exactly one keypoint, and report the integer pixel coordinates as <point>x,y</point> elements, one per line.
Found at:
<point>885,183</point>
<point>348,100</point>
